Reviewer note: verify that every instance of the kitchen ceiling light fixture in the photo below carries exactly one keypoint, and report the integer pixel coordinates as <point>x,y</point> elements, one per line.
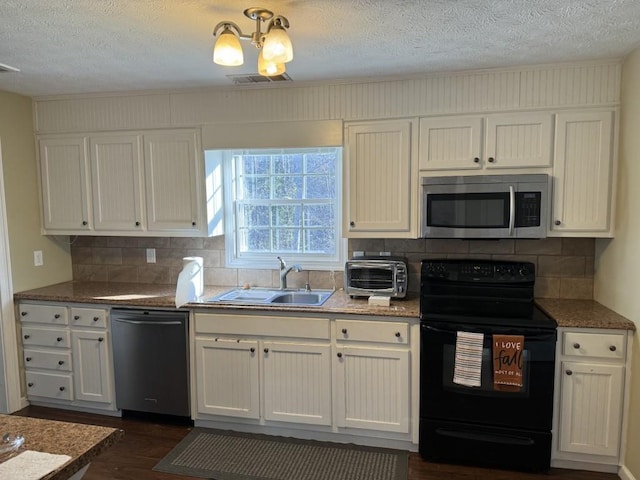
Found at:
<point>274,44</point>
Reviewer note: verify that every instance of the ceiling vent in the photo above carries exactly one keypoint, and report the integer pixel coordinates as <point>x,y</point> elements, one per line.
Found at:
<point>6,68</point>
<point>254,78</point>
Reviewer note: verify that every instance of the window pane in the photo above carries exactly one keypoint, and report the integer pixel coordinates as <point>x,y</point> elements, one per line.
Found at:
<point>321,187</point>
<point>255,164</point>
<point>287,164</point>
<point>287,240</point>
<point>286,215</point>
<point>319,241</point>
<point>255,188</point>
<point>255,240</point>
<point>287,187</point>
<point>323,163</point>
<point>255,215</point>
<point>319,216</point>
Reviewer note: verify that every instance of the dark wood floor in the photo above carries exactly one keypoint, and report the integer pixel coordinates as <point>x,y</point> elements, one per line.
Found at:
<point>146,441</point>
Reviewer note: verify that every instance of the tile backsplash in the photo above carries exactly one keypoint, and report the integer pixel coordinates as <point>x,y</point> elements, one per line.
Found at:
<point>564,266</point>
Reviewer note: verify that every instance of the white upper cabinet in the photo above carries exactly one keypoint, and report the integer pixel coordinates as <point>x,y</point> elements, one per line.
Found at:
<point>63,173</point>
<point>518,140</point>
<point>172,181</point>
<point>380,182</point>
<point>116,181</point>
<point>582,174</point>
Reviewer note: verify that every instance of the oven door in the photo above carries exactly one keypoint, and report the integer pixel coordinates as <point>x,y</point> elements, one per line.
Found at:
<point>441,399</point>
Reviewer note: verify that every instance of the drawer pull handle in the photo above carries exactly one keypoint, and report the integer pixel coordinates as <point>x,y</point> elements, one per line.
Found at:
<point>26,337</point>
<point>569,372</point>
<point>344,331</point>
<point>59,339</point>
<point>61,389</point>
<point>76,317</point>
<point>339,355</point>
<point>612,348</point>
<point>57,315</point>
<point>491,159</point>
<point>476,160</point>
<point>558,222</point>
<point>95,319</point>
<point>101,339</point>
<point>24,314</point>
<point>398,334</point>
<point>28,359</point>
<point>266,350</point>
<point>252,350</point>
<point>576,346</point>
<point>60,362</point>
<point>30,384</point>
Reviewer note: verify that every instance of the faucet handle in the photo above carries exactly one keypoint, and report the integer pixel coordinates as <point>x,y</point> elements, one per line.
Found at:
<point>307,287</point>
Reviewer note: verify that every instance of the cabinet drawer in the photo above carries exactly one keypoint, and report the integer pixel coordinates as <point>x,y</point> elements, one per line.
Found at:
<point>608,345</point>
<point>262,326</point>
<point>88,317</point>
<point>367,331</point>
<point>46,337</point>
<point>50,385</point>
<point>51,360</point>
<point>51,314</point>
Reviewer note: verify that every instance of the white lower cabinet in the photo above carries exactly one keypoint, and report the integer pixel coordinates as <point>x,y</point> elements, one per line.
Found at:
<point>590,398</point>
<point>302,373</point>
<point>67,356</point>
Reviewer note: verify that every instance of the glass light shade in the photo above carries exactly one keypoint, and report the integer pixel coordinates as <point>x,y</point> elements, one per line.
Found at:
<point>227,50</point>
<point>277,46</point>
<point>269,69</point>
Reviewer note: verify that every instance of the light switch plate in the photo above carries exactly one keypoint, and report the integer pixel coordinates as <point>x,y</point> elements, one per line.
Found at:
<point>151,255</point>
<point>38,259</point>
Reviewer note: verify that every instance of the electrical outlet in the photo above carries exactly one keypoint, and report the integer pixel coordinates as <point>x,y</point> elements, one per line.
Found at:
<point>151,255</point>
<point>38,259</point>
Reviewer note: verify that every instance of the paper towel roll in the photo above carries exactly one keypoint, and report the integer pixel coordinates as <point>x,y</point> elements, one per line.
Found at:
<point>190,285</point>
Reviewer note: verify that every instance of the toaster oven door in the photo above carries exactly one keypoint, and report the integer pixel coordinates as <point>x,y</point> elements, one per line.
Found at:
<point>370,278</point>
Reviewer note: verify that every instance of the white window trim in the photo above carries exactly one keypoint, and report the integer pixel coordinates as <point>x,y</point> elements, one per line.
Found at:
<point>307,261</point>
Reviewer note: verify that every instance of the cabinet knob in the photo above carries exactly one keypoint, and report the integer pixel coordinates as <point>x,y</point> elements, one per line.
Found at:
<point>266,350</point>
<point>569,372</point>
<point>61,389</point>
<point>576,346</point>
<point>59,339</point>
<point>137,224</point>
<point>352,224</point>
<point>398,334</point>
<point>76,317</point>
<point>95,319</point>
<point>60,362</point>
<point>339,355</point>
<point>193,224</point>
<point>84,223</point>
<point>28,359</point>
<point>612,348</point>
<point>30,384</point>
<point>24,314</point>
<point>476,160</point>
<point>26,337</point>
<point>344,331</point>
<point>101,339</point>
<point>57,315</point>
<point>491,159</point>
<point>252,350</point>
<point>558,222</point>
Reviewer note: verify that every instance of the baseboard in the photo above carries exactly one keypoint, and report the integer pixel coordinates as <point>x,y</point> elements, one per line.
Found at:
<point>625,474</point>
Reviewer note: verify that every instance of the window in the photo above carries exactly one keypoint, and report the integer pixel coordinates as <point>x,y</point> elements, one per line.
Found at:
<point>283,202</point>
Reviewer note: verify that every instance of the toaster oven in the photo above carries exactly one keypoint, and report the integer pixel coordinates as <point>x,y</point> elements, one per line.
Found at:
<point>375,275</point>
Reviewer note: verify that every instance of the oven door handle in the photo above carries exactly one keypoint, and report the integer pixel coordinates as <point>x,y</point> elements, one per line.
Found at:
<point>512,210</point>
<point>488,330</point>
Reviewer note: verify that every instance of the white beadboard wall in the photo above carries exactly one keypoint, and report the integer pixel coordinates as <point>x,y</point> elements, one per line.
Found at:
<point>526,88</point>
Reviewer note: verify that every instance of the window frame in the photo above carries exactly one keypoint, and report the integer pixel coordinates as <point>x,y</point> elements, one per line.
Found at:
<point>235,259</point>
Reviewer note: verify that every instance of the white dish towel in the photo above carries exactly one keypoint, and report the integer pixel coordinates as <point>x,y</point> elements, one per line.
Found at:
<point>467,368</point>
<point>30,465</point>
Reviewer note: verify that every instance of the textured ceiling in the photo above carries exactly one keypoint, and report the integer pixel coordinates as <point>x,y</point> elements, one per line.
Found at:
<point>81,46</point>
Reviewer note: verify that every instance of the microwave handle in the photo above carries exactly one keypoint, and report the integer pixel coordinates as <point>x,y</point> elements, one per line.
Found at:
<point>512,209</point>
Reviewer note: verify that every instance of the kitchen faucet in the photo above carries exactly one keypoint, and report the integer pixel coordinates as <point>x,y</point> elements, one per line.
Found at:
<point>284,271</point>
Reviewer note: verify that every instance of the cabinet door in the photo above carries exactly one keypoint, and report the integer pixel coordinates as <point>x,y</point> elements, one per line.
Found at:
<point>227,377</point>
<point>520,140</point>
<point>373,388</point>
<point>64,183</point>
<point>590,408</point>
<point>380,185</point>
<point>116,178</point>
<point>297,382</point>
<point>450,143</point>
<point>173,181</point>
<point>92,369</point>
<point>582,171</point>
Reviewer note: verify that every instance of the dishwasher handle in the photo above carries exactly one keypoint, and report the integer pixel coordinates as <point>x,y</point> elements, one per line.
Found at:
<point>147,322</point>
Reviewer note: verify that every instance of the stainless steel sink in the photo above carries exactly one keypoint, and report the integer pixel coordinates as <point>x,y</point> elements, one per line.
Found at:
<point>258,296</point>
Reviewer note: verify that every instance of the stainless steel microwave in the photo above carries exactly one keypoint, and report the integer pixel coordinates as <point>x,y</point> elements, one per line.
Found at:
<point>376,275</point>
<point>485,206</point>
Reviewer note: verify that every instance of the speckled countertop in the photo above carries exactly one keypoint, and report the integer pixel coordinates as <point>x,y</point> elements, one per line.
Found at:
<point>568,313</point>
<point>81,442</point>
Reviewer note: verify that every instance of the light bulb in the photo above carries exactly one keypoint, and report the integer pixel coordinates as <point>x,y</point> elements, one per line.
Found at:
<point>269,69</point>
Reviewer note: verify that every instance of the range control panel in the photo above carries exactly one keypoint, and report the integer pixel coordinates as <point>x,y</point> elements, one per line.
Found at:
<point>483,271</point>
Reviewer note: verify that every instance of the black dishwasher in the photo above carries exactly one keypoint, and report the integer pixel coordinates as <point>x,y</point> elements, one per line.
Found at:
<point>151,360</point>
